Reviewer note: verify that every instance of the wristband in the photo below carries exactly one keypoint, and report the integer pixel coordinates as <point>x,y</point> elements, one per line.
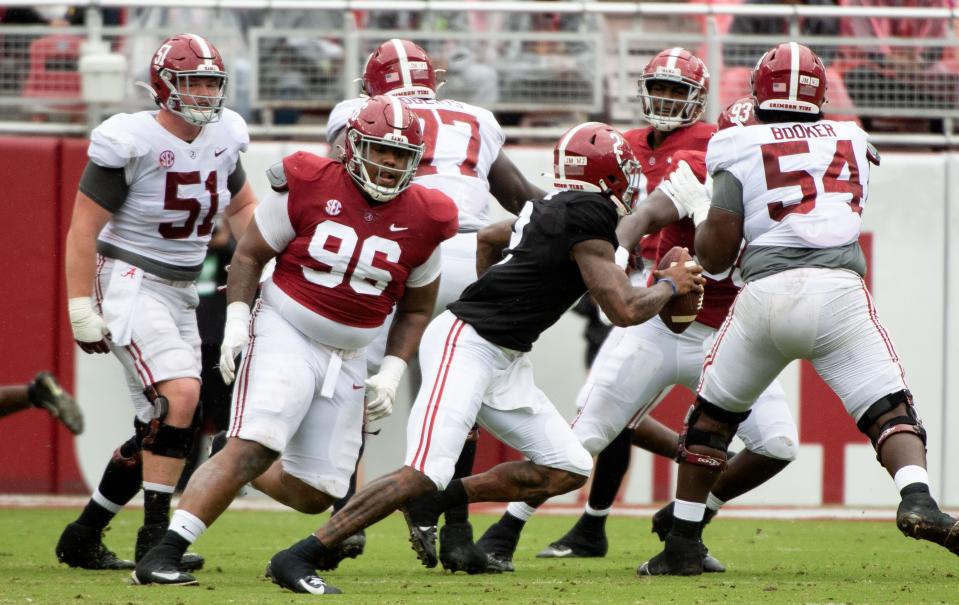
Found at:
<point>672,284</point>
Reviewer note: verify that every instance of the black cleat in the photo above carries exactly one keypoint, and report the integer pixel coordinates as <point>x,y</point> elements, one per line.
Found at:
<point>576,544</point>
<point>161,566</point>
<point>680,557</point>
<point>149,536</point>
<point>45,392</point>
<point>499,544</point>
<point>353,546</point>
<point>457,551</point>
<point>82,546</point>
<point>423,541</point>
<point>291,572</point>
<point>919,517</point>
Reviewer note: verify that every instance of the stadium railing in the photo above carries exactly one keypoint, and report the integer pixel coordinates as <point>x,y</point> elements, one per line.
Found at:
<point>546,80</point>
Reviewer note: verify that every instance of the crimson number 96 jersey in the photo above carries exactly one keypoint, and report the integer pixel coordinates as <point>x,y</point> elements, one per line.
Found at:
<point>344,258</point>
<point>176,188</point>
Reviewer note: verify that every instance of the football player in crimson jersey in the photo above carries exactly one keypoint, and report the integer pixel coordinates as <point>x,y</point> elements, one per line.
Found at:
<point>154,185</point>
<point>636,365</point>
<point>473,355</point>
<point>462,157</point>
<point>803,298</point>
<point>352,240</point>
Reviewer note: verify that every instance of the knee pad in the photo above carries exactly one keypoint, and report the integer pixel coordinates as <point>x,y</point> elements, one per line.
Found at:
<point>692,435</point>
<point>128,454</point>
<point>169,441</point>
<point>780,448</point>
<point>907,423</point>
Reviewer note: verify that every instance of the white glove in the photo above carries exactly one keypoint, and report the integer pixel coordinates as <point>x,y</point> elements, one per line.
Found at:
<point>381,388</point>
<point>88,327</point>
<point>236,335</point>
<point>690,196</point>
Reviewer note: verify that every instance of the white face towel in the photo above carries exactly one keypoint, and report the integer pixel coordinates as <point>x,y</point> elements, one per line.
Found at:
<point>119,304</point>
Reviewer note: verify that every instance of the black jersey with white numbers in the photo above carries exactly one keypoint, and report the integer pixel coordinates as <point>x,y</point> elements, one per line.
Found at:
<point>537,280</point>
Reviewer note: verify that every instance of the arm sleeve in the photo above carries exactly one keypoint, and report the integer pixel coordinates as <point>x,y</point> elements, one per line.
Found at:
<point>728,192</point>
<point>427,272</point>
<point>105,186</point>
<point>273,219</point>
<point>237,178</point>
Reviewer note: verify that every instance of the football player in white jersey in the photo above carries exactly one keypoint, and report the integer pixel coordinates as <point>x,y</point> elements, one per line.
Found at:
<point>793,186</point>
<point>154,185</point>
<point>463,158</point>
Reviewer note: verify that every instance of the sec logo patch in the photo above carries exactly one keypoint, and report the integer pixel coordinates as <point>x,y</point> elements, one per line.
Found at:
<point>333,207</point>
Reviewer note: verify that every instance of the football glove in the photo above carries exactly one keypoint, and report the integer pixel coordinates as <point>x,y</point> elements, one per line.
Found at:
<point>89,329</point>
<point>381,388</point>
<point>690,196</point>
<point>236,335</point>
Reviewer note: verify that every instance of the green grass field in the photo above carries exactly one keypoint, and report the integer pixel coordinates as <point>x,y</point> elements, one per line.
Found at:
<point>769,562</point>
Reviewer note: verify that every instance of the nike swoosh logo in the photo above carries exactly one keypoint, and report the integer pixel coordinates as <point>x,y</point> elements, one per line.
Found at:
<point>357,387</point>
<point>395,228</point>
<point>166,575</point>
<point>218,152</point>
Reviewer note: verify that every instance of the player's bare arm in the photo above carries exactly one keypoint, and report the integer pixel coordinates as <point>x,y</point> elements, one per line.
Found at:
<point>240,211</point>
<point>251,255</point>
<point>619,300</point>
<point>490,243</point>
<point>88,220</point>
<point>413,313</point>
<point>509,186</point>
<point>651,215</point>
<point>718,239</point>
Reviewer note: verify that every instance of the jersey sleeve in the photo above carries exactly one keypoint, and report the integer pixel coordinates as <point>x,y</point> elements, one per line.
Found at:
<point>490,131</point>
<point>588,219</point>
<point>721,153</point>
<point>115,142</point>
<point>340,116</point>
<point>442,211</point>
<point>273,219</point>
<point>427,272</point>
<point>236,128</point>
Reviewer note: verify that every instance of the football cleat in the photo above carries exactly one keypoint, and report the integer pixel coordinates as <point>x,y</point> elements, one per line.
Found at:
<point>160,567</point>
<point>499,544</point>
<point>457,551</point>
<point>353,546</point>
<point>149,536</point>
<point>423,541</point>
<point>680,557</point>
<point>576,544</point>
<point>919,517</point>
<point>82,546</point>
<point>45,392</point>
<point>291,572</point>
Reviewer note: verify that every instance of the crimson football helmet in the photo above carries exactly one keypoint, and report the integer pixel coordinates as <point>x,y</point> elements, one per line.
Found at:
<point>677,66</point>
<point>790,77</point>
<point>741,112</point>
<point>399,67</point>
<point>174,72</point>
<point>383,122</point>
<point>596,157</point>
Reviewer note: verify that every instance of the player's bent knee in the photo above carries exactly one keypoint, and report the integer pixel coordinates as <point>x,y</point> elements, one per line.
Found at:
<point>710,429</point>
<point>894,413</point>
<point>780,448</point>
<point>169,441</point>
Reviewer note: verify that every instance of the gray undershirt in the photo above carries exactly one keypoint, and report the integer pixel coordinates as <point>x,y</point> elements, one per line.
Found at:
<point>761,261</point>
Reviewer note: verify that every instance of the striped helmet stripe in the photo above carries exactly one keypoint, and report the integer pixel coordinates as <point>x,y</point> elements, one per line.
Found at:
<point>793,71</point>
<point>404,62</point>
<point>561,148</point>
<point>396,117</point>
<point>205,51</point>
<point>674,54</point>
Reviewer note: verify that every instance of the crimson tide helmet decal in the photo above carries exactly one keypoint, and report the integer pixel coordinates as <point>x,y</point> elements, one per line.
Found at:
<point>596,157</point>
<point>399,67</point>
<point>384,144</point>
<point>677,66</point>
<point>790,77</point>
<point>177,74</point>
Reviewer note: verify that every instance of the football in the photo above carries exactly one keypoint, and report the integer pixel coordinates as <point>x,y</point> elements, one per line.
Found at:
<point>681,311</point>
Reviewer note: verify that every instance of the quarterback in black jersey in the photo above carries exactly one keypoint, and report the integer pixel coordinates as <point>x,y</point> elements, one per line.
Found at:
<point>473,356</point>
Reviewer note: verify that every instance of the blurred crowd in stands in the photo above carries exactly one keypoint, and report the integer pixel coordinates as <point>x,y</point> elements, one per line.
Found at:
<point>527,79</point>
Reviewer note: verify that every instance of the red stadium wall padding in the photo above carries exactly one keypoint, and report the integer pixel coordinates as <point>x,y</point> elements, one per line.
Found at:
<point>37,451</point>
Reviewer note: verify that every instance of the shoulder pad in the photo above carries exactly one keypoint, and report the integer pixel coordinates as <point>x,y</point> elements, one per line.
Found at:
<point>277,177</point>
<point>305,166</point>
<point>236,127</point>
<point>442,211</point>
<point>114,141</point>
